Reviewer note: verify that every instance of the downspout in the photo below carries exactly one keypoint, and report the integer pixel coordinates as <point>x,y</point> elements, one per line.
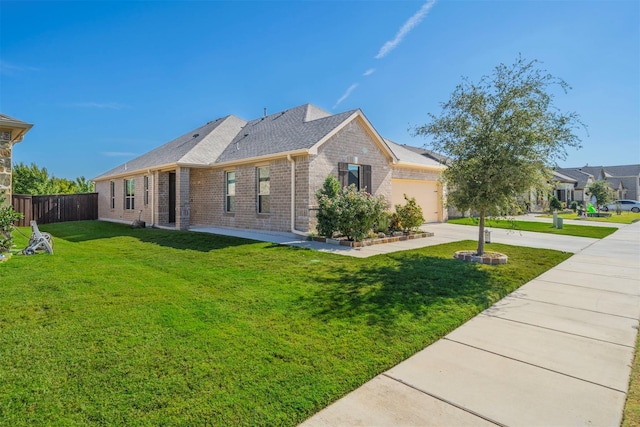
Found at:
<point>293,197</point>
<point>153,207</point>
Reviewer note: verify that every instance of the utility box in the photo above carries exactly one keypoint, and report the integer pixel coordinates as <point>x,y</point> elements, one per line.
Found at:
<point>487,236</point>
<point>559,223</point>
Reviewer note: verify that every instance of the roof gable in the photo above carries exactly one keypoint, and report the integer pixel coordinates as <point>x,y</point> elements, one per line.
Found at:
<point>282,132</point>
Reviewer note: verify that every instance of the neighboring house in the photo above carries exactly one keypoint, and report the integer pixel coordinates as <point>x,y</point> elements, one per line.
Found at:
<point>623,179</point>
<point>264,173</point>
<point>572,183</point>
<point>11,132</point>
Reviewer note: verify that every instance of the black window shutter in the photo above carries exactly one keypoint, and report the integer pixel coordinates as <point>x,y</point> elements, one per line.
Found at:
<point>366,178</point>
<point>343,174</point>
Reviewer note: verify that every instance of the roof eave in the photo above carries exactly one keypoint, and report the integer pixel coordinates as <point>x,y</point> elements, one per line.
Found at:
<point>264,158</point>
<point>22,128</point>
<point>405,164</point>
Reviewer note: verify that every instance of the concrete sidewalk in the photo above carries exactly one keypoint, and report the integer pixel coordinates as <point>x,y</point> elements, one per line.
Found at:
<point>555,352</point>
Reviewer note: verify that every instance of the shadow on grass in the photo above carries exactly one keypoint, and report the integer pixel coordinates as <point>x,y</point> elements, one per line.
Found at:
<point>415,285</point>
<point>82,231</point>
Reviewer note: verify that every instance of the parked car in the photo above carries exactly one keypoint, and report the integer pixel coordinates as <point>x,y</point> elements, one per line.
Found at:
<point>625,205</point>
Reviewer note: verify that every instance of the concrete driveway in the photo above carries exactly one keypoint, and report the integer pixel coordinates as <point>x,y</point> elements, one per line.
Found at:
<point>443,233</point>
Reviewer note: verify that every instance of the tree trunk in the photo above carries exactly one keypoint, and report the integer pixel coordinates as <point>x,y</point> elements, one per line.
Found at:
<point>480,250</point>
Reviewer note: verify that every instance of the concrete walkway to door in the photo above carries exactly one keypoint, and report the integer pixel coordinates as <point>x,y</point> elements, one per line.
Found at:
<point>555,352</point>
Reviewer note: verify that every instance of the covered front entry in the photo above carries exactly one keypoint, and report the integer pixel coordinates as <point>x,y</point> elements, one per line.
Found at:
<point>426,193</point>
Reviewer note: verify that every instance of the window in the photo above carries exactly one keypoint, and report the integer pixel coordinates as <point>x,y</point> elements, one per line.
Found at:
<point>264,190</point>
<point>129,194</point>
<point>146,190</point>
<point>353,176</point>
<point>112,194</point>
<point>230,191</point>
<point>358,175</point>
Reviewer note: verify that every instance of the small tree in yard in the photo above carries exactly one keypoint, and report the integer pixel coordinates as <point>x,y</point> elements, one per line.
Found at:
<point>555,204</point>
<point>327,209</point>
<point>7,217</point>
<point>502,136</point>
<point>602,192</point>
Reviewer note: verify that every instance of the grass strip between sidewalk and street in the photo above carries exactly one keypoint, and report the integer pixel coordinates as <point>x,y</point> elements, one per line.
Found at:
<point>540,227</point>
<point>127,326</point>
<point>631,415</point>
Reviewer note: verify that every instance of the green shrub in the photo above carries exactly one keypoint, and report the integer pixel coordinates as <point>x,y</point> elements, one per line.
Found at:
<point>357,212</point>
<point>574,206</point>
<point>383,223</point>
<point>7,217</point>
<point>409,216</point>
<point>555,204</point>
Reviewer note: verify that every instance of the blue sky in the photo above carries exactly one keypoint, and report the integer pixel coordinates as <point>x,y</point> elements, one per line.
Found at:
<point>106,81</point>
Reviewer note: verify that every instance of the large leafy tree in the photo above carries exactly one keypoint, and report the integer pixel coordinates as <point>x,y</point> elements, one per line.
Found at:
<point>35,180</point>
<point>502,136</point>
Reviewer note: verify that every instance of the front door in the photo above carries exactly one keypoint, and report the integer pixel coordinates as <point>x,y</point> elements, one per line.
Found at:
<point>172,197</point>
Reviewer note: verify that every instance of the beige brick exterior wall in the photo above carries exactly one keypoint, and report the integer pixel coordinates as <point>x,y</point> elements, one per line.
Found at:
<point>119,213</point>
<point>414,173</point>
<point>208,196</point>
<point>350,142</point>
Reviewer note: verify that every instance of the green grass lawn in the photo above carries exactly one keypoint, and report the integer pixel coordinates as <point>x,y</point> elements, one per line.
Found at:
<point>129,326</point>
<point>623,218</point>
<point>541,227</point>
<point>632,406</point>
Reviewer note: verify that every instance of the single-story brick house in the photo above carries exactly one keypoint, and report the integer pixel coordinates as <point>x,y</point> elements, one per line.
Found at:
<point>12,131</point>
<point>264,173</point>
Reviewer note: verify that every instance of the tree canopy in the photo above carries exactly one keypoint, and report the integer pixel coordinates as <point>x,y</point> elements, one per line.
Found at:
<point>502,136</point>
<point>35,181</point>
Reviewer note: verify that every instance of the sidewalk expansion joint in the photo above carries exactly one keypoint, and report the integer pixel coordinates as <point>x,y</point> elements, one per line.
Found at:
<point>556,330</point>
<point>587,287</point>
<point>570,306</point>
<point>536,366</point>
<point>442,399</point>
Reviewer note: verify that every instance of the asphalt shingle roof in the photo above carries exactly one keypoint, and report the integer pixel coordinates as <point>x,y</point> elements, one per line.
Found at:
<point>404,153</point>
<point>581,177</point>
<point>287,130</point>
<point>197,147</point>
<point>231,139</point>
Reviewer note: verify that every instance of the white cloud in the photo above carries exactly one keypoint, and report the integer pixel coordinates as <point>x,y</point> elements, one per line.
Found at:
<point>346,94</point>
<point>108,105</point>
<point>405,29</point>
<point>117,154</point>
<point>369,72</point>
<point>11,69</point>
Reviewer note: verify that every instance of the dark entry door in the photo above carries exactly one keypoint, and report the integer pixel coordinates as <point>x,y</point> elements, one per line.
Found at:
<point>172,197</point>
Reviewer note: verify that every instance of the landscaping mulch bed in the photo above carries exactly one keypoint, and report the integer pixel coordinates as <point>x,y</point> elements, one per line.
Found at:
<point>375,241</point>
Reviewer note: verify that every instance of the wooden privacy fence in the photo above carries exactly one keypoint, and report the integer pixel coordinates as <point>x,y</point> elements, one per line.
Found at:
<point>55,208</point>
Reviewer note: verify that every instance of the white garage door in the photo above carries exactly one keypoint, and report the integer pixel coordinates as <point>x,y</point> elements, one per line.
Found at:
<point>425,193</point>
